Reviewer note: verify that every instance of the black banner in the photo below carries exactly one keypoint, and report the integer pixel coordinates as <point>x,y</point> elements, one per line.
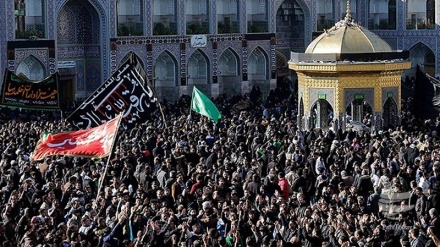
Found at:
<point>19,92</point>
<point>426,96</point>
<point>125,91</point>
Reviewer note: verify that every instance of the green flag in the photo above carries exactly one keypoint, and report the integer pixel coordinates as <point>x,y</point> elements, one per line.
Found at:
<point>200,103</point>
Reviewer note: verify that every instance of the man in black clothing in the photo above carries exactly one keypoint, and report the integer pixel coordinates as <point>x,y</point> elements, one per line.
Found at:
<point>143,176</point>
<point>291,234</point>
<point>312,235</point>
<point>433,199</point>
<point>373,201</point>
<point>411,154</point>
<point>365,185</point>
<point>420,207</point>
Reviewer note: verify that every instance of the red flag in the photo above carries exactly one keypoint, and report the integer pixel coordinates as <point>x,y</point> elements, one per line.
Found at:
<point>94,142</point>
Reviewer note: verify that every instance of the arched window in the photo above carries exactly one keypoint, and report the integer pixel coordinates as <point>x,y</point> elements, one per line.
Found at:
<point>290,26</point>
<point>228,16</point>
<point>390,114</point>
<point>31,69</point>
<point>30,19</point>
<point>130,17</point>
<point>257,64</point>
<point>257,15</point>
<point>164,17</point>
<point>228,64</point>
<point>197,16</point>
<point>197,66</point>
<point>165,67</point>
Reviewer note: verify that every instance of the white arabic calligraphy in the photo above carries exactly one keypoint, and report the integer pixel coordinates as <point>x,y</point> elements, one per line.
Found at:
<point>123,91</point>
<point>198,41</point>
<point>62,144</point>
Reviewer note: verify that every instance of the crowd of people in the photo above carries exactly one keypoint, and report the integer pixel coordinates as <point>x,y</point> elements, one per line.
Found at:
<point>253,179</point>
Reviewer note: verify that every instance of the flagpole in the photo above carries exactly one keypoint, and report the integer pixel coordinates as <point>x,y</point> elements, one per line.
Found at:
<point>191,122</point>
<point>161,112</point>
<point>158,102</point>
<point>191,103</point>
<point>109,158</point>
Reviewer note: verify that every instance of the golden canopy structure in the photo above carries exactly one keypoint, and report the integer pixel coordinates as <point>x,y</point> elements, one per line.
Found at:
<point>349,74</point>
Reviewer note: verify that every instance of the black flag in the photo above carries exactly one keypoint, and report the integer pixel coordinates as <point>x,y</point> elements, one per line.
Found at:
<point>426,95</point>
<point>127,90</point>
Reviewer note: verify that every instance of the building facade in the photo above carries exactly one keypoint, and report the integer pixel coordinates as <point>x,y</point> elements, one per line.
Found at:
<point>219,45</point>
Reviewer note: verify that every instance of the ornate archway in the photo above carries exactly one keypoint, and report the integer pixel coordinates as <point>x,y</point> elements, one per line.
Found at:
<point>80,42</point>
<point>423,56</point>
<point>358,110</point>
<point>31,68</point>
<point>390,114</point>
<point>321,114</point>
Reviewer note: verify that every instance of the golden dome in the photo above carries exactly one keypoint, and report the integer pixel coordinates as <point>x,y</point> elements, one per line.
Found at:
<point>348,37</point>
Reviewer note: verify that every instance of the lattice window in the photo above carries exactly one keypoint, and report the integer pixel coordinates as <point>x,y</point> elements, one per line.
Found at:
<point>257,63</point>
<point>228,64</point>
<point>165,67</point>
<point>31,69</point>
<point>197,66</point>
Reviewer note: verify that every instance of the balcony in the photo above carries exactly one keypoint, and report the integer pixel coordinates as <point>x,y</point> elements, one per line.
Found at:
<point>419,24</point>
<point>384,24</point>
<point>164,29</point>
<point>257,27</point>
<point>130,29</point>
<point>195,27</point>
<point>231,27</point>
<point>36,30</point>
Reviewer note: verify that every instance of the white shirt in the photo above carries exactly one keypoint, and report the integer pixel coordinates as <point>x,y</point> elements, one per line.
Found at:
<point>424,184</point>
